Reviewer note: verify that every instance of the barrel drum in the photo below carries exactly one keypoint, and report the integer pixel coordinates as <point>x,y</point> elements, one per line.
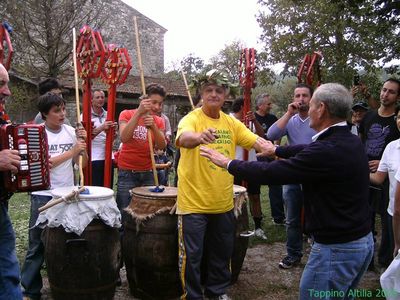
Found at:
<point>150,245</point>
<point>241,242</point>
<point>83,267</point>
<point>83,263</point>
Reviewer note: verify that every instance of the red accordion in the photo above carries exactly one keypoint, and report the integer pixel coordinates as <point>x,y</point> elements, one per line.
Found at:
<point>31,142</point>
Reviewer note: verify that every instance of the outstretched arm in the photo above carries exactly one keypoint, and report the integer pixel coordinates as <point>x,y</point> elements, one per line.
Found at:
<point>190,139</point>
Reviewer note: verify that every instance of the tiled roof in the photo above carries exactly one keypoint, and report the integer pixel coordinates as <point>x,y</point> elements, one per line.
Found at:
<point>132,85</point>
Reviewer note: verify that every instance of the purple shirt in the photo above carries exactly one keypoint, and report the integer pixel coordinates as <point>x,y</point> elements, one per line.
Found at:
<point>298,131</point>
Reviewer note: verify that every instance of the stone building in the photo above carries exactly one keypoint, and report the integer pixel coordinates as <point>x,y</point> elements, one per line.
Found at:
<point>119,29</point>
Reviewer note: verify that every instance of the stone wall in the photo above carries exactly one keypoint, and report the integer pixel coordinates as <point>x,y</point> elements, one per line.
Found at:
<point>119,29</point>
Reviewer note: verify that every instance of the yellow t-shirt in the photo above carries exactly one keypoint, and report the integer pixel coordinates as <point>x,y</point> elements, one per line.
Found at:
<point>202,186</point>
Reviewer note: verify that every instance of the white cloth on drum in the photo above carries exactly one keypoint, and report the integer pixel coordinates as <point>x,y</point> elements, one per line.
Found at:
<point>75,217</point>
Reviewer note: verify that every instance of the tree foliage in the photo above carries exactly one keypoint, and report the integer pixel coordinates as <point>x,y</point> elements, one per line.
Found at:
<point>192,65</point>
<point>228,59</point>
<point>350,34</point>
<point>42,36</point>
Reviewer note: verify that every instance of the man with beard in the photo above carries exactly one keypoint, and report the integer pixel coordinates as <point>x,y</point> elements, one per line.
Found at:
<point>377,129</point>
<point>295,124</point>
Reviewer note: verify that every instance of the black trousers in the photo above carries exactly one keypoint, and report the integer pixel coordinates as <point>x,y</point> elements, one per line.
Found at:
<point>98,174</point>
<point>217,232</point>
<point>379,200</point>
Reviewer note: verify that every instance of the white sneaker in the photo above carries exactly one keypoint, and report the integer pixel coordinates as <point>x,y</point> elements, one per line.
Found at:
<point>260,234</point>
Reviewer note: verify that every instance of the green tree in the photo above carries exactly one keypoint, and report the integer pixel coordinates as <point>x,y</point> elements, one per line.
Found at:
<point>228,59</point>
<point>350,34</point>
<point>42,35</point>
<point>192,65</point>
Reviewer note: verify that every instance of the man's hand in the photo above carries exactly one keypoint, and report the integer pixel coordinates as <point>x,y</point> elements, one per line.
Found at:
<point>250,116</point>
<point>9,160</point>
<point>373,165</point>
<point>266,148</point>
<point>208,136</point>
<point>354,90</point>
<point>216,157</point>
<point>108,124</point>
<point>293,108</point>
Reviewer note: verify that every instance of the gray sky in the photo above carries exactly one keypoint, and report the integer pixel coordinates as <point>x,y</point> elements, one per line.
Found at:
<point>201,27</point>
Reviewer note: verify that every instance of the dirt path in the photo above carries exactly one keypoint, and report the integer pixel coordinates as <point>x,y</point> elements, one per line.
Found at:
<point>260,278</point>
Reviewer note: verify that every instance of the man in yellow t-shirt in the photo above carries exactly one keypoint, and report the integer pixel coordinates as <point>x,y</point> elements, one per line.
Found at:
<point>205,192</point>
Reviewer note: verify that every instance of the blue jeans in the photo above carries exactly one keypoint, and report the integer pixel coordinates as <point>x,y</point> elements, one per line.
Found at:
<point>128,180</point>
<point>293,198</point>
<point>276,202</point>
<point>9,267</point>
<point>31,279</point>
<point>336,269</point>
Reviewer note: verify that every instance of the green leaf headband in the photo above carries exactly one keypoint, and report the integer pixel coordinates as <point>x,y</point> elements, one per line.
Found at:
<point>211,77</point>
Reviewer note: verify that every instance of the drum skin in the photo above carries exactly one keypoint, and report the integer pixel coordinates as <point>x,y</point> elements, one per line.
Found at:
<point>83,267</point>
<point>150,250</point>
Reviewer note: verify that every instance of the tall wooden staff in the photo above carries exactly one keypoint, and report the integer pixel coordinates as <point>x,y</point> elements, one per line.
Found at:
<point>78,112</point>
<point>149,137</point>
<point>116,70</point>
<point>187,90</point>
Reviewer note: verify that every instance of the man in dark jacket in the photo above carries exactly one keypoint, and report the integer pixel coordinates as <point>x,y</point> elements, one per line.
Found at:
<point>333,170</point>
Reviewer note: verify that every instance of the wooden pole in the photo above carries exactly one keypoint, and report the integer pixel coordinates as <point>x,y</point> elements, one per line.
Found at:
<point>149,137</point>
<point>139,56</point>
<point>78,111</point>
<point>187,90</point>
<point>62,199</point>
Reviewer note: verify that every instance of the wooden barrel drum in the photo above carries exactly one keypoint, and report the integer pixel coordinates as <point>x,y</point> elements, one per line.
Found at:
<point>150,245</point>
<point>241,242</point>
<point>86,266</point>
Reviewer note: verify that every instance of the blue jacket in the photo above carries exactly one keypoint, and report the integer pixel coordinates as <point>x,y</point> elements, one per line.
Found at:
<point>334,174</point>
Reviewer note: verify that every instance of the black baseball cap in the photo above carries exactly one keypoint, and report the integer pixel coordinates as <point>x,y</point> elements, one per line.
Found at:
<point>361,105</point>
